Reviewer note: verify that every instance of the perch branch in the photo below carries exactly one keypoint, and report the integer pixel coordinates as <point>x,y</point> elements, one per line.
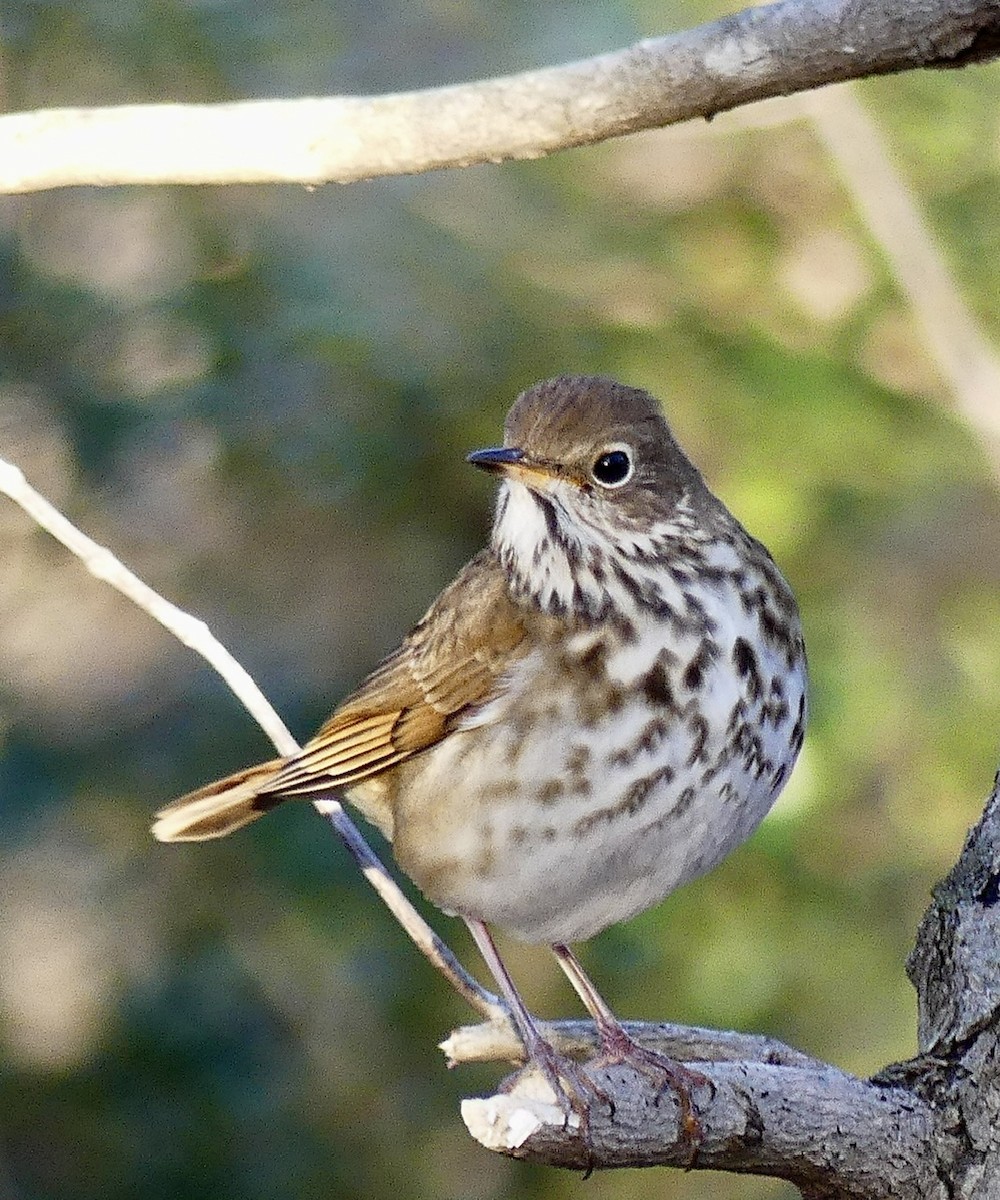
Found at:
<point>829,1133</point>
<point>496,1041</point>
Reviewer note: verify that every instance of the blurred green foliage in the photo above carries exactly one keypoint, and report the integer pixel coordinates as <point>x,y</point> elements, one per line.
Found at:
<point>261,398</point>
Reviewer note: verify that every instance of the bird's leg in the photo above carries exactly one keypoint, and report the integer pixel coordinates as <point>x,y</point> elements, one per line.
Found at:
<point>562,1075</point>
<point>617,1046</point>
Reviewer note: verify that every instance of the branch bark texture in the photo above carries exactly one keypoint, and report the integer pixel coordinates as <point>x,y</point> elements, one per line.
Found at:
<point>775,50</point>
<point>830,1134</point>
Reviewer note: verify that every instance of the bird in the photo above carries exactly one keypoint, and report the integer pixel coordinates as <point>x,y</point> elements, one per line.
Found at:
<point>606,701</point>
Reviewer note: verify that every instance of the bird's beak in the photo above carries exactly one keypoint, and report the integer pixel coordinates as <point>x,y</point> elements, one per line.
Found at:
<point>511,461</point>
<point>498,460</point>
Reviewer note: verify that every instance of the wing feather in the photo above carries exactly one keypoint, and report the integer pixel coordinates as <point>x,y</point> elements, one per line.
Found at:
<point>453,661</point>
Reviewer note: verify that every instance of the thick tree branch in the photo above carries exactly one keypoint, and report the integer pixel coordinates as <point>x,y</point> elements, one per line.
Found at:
<point>827,1132</point>
<point>774,50</point>
<point>955,968</point>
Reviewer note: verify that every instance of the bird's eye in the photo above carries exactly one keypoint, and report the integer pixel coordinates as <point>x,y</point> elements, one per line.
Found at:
<point>612,468</point>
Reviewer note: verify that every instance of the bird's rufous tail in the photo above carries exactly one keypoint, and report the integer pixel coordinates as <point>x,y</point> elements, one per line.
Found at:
<point>219,808</point>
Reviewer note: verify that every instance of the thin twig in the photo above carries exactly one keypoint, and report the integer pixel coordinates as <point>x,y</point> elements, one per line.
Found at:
<point>194,633</point>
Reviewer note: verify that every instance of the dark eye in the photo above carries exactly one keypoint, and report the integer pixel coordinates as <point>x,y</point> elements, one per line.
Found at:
<point>612,468</point>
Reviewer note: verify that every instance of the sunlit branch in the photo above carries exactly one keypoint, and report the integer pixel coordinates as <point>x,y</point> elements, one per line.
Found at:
<point>772,50</point>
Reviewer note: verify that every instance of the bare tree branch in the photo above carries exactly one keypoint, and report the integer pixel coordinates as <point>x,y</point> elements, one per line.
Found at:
<point>774,50</point>
<point>821,1129</point>
<point>496,1041</point>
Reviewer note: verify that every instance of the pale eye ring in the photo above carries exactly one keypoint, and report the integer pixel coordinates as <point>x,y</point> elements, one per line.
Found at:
<point>613,467</point>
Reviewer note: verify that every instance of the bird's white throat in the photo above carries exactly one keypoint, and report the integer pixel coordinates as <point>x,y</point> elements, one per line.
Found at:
<point>566,556</point>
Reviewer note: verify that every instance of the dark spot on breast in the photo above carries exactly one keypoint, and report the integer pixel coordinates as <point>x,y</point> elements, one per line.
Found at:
<point>699,728</point>
<point>499,790</point>
<point>700,619</point>
<point>694,672</point>
<point>746,663</point>
<point>633,799</point>
<point>625,628</point>
<point>711,574</point>
<point>656,687</point>
<point>799,729</point>
<point>684,802</point>
<point>594,659</point>
<point>548,511</point>
<point>578,760</point>
<point>550,791</point>
<point>629,583</point>
<point>556,606</point>
<point>636,795</point>
<point>654,733</point>
<point>773,629</point>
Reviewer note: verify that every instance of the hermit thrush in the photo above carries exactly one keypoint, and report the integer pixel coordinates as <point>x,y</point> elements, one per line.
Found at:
<point>603,704</point>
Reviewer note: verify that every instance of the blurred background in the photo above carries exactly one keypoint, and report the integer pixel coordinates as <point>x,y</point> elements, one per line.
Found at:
<point>260,398</point>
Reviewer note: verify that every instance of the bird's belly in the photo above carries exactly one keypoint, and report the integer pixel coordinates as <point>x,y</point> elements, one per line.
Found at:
<point>554,827</point>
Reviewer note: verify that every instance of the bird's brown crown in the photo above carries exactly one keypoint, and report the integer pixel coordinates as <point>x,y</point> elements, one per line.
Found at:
<point>570,421</point>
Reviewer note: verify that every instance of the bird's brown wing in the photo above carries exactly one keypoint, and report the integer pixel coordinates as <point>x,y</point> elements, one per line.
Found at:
<point>452,662</point>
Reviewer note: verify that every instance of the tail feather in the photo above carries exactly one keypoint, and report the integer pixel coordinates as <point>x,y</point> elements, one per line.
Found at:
<point>219,808</point>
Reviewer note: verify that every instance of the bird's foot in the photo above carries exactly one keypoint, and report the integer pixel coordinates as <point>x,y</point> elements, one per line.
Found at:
<point>570,1087</point>
<point>617,1047</point>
